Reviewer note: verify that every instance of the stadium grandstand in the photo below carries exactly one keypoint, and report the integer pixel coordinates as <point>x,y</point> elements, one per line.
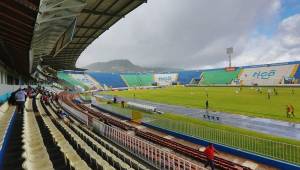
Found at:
<point>185,77</point>
<point>276,74</point>
<point>220,76</point>
<point>112,80</point>
<point>138,79</point>
<point>56,116</point>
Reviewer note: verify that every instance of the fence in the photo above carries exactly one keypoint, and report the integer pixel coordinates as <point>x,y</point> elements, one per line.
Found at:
<point>154,155</point>
<point>273,149</point>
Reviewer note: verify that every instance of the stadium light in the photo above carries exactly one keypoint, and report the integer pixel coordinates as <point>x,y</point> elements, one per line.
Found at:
<point>229,51</point>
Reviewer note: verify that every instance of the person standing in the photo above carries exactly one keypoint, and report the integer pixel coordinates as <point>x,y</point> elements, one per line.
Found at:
<point>122,104</point>
<point>20,97</point>
<point>206,104</point>
<point>288,110</point>
<point>292,110</point>
<point>210,155</point>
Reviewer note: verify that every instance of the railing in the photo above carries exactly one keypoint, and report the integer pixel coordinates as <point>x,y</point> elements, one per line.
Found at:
<point>154,155</point>
<point>273,149</point>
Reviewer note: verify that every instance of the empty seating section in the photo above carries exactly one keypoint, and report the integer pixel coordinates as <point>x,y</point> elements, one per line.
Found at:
<point>219,162</point>
<point>113,80</point>
<point>67,78</point>
<point>13,143</point>
<point>100,151</point>
<point>33,143</point>
<point>138,79</point>
<point>183,149</point>
<point>219,76</point>
<point>185,77</point>
<point>85,148</point>
<point>6,114</point>
<point>268,75</point>
<point>104,145</point>
<point>70,154</point>
<point>86,80</point>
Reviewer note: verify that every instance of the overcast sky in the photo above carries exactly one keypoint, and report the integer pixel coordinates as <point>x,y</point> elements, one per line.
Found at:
<point>194,34</point>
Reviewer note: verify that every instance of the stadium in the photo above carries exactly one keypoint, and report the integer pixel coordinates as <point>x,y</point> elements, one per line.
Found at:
<point>56,116</point>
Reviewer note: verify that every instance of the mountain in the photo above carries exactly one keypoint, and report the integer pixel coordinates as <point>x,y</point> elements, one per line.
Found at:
<point>124,66</point>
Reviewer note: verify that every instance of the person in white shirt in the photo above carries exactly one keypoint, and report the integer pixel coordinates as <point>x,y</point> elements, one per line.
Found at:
<point>20,97</point>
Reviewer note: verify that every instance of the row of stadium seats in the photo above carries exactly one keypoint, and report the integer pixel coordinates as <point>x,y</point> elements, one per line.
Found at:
<point>63,141</point>
<point>67,78</point>
<point>219,76</point>
<point>113,80</point>
<point>13,142</point>
<point>97,147</point>
<point>6,114</point>
<point>33,143</point>
<point>138,80</point>
<point>91,155</point>
<point>220,163</point>
<point>185,77</point>
<point>114,156</point>
<point>101,143</point>
<point>86,80</point>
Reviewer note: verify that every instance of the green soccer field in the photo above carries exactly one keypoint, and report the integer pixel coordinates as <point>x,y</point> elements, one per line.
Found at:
<point>244,101</point>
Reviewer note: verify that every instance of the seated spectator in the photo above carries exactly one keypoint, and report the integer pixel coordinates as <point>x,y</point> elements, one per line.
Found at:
<point>45,99</point>
<point>63,115</point>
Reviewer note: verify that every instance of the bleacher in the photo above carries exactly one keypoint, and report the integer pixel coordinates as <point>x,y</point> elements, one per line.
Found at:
<point>266,75</point>
<point>113,80</point>
<point>86,80</point>
<point>138,79</point>
<point>185,77</point>
<point>70,80</point>
<point>218,76</point>
<point>246,75</point>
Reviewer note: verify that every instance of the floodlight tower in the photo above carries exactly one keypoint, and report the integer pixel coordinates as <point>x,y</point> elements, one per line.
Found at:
<point>229,52</point>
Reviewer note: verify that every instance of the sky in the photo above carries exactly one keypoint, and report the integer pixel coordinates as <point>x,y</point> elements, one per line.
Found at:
<point>194,34</point>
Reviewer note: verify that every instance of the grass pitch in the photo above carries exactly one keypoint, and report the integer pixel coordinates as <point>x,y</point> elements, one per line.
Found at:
<point>245,101</point>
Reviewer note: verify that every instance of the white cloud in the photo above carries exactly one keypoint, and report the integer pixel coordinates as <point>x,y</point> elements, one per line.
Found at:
<point>283,46</point>
<point>183,33</point>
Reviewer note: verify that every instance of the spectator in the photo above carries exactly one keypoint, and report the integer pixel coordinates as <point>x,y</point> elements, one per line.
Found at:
<point>210,154</point>
<point>45,99</point>
<point>64,116</point>
<point>20,97</point>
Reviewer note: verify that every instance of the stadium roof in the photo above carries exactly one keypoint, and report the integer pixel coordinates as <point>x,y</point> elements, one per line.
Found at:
<point>95,18</point>
<point>17,19</point>
<point>55,30</point>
